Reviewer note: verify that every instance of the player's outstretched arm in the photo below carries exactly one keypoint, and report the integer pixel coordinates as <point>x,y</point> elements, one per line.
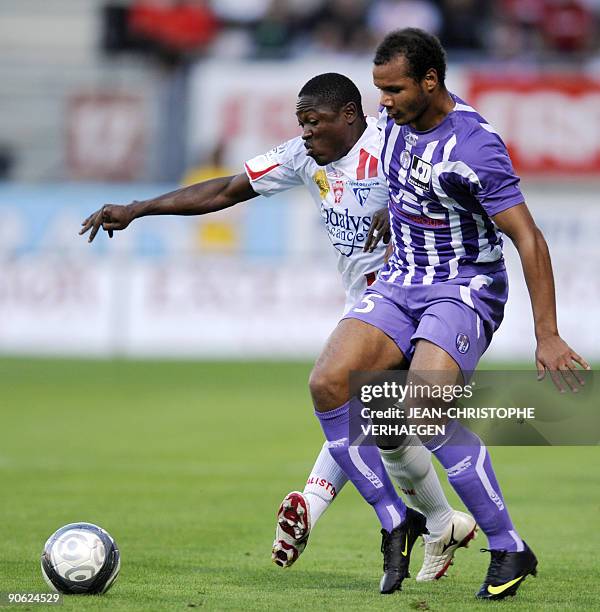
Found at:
<point>552,354</point>
<point>199,199</point>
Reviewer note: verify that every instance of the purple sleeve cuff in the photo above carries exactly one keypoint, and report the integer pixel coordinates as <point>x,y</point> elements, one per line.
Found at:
<point>493,208</point>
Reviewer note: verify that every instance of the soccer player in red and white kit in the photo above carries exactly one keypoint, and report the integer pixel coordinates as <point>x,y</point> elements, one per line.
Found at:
<point>336,159</point>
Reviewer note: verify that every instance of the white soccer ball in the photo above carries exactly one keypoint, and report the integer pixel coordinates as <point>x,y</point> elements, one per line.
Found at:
<point>80,558</point>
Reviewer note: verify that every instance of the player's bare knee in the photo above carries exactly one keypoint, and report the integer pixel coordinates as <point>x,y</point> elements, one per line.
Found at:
<point>328,388</point>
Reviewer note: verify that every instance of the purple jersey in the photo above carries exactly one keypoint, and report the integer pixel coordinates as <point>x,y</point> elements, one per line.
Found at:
<point>444,186</point>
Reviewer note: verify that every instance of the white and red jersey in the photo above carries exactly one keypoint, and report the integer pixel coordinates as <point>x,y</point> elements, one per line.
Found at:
<point>347,193</point>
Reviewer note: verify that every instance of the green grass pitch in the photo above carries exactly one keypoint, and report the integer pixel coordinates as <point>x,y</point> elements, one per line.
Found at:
<point>185,464</point>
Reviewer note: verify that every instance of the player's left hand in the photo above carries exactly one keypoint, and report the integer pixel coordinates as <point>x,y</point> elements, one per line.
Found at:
<point>555,356</point>
<point>380,228</point>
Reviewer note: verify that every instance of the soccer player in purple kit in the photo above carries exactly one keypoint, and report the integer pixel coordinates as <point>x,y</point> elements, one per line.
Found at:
<point>441,296</point>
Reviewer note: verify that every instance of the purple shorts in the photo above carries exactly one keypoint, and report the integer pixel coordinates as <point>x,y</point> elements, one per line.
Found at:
<point>459,315</point>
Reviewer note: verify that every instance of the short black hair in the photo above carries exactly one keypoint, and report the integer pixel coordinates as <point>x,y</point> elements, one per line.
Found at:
<point>333,90</point>
<point>421,50</point>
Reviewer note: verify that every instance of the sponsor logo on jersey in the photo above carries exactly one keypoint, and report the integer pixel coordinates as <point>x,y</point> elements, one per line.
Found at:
<point>338,191</point>
<point>405,159</point>
<point>362,189</point>
<point>332,173</point>
<point>420,173</point>
<point>421,220</point>
<point>320,178</point>
<point>347,232</point>
<point>411,138</point>
<point>462,343</point>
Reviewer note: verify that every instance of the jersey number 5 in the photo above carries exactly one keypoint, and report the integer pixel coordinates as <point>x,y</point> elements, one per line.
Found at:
<point>368,302</point>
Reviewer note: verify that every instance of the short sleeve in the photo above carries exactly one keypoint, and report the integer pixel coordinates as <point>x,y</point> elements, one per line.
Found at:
<point>276,170</point>
<point>497,185</point>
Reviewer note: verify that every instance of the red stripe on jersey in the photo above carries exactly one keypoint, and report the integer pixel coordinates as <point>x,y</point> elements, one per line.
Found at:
<point>362,164</point>
<point>373,167</point>
<point>256,175</point>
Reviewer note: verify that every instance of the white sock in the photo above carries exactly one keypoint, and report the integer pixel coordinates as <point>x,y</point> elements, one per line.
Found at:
<point>323,485</point>
<point>409,466</point>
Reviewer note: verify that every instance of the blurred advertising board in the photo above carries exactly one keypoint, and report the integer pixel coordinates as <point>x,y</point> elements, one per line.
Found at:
<point>158,290</point>
<point>250,107</point>
<point>550,122</point>
<point>105,136</point>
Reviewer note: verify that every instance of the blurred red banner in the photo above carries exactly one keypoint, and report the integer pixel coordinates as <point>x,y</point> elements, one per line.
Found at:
<point>550,123</point>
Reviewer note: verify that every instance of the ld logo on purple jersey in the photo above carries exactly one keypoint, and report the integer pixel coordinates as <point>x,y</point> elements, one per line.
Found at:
<point>462,343</point>
<point>420,173</point>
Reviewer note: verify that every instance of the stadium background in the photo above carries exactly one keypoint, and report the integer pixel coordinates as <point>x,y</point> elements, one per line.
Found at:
<point>110,101</point>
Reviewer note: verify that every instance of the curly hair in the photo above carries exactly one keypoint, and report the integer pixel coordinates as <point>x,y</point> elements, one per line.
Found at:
<point>333,90</point>
<point>421,50</point>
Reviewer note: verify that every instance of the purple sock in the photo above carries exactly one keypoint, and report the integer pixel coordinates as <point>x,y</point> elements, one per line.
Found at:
<point>470,472</point>
<point>363,466</point>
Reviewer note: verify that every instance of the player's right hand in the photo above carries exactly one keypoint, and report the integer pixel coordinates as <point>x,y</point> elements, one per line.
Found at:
<point>380,229</point>
<point>555,356</point>
<point>110,217</point>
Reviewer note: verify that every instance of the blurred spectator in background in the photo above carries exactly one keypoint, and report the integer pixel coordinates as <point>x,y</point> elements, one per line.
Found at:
<point>240,12</point>
<point>567,26</point>
<point>386,15</point>
<point>215,233</point>
<point>473,30</point>
<point>340,27</point>
<point>273,35</point>
<point>514,28</point>
<point>213,166</point>
<point>463,24</point>
<point>543,28</point>
<point>173,28</point>
<point>7,160</point>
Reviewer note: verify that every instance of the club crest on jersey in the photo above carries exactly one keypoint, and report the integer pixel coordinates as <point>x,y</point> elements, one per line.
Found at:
<point>320,178</point>
<point>362,189</point>
<point>338,191</point>
<point>361,194</point>
<point>420,173</point>
<point>405,159</point>
<point>462,343</point>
